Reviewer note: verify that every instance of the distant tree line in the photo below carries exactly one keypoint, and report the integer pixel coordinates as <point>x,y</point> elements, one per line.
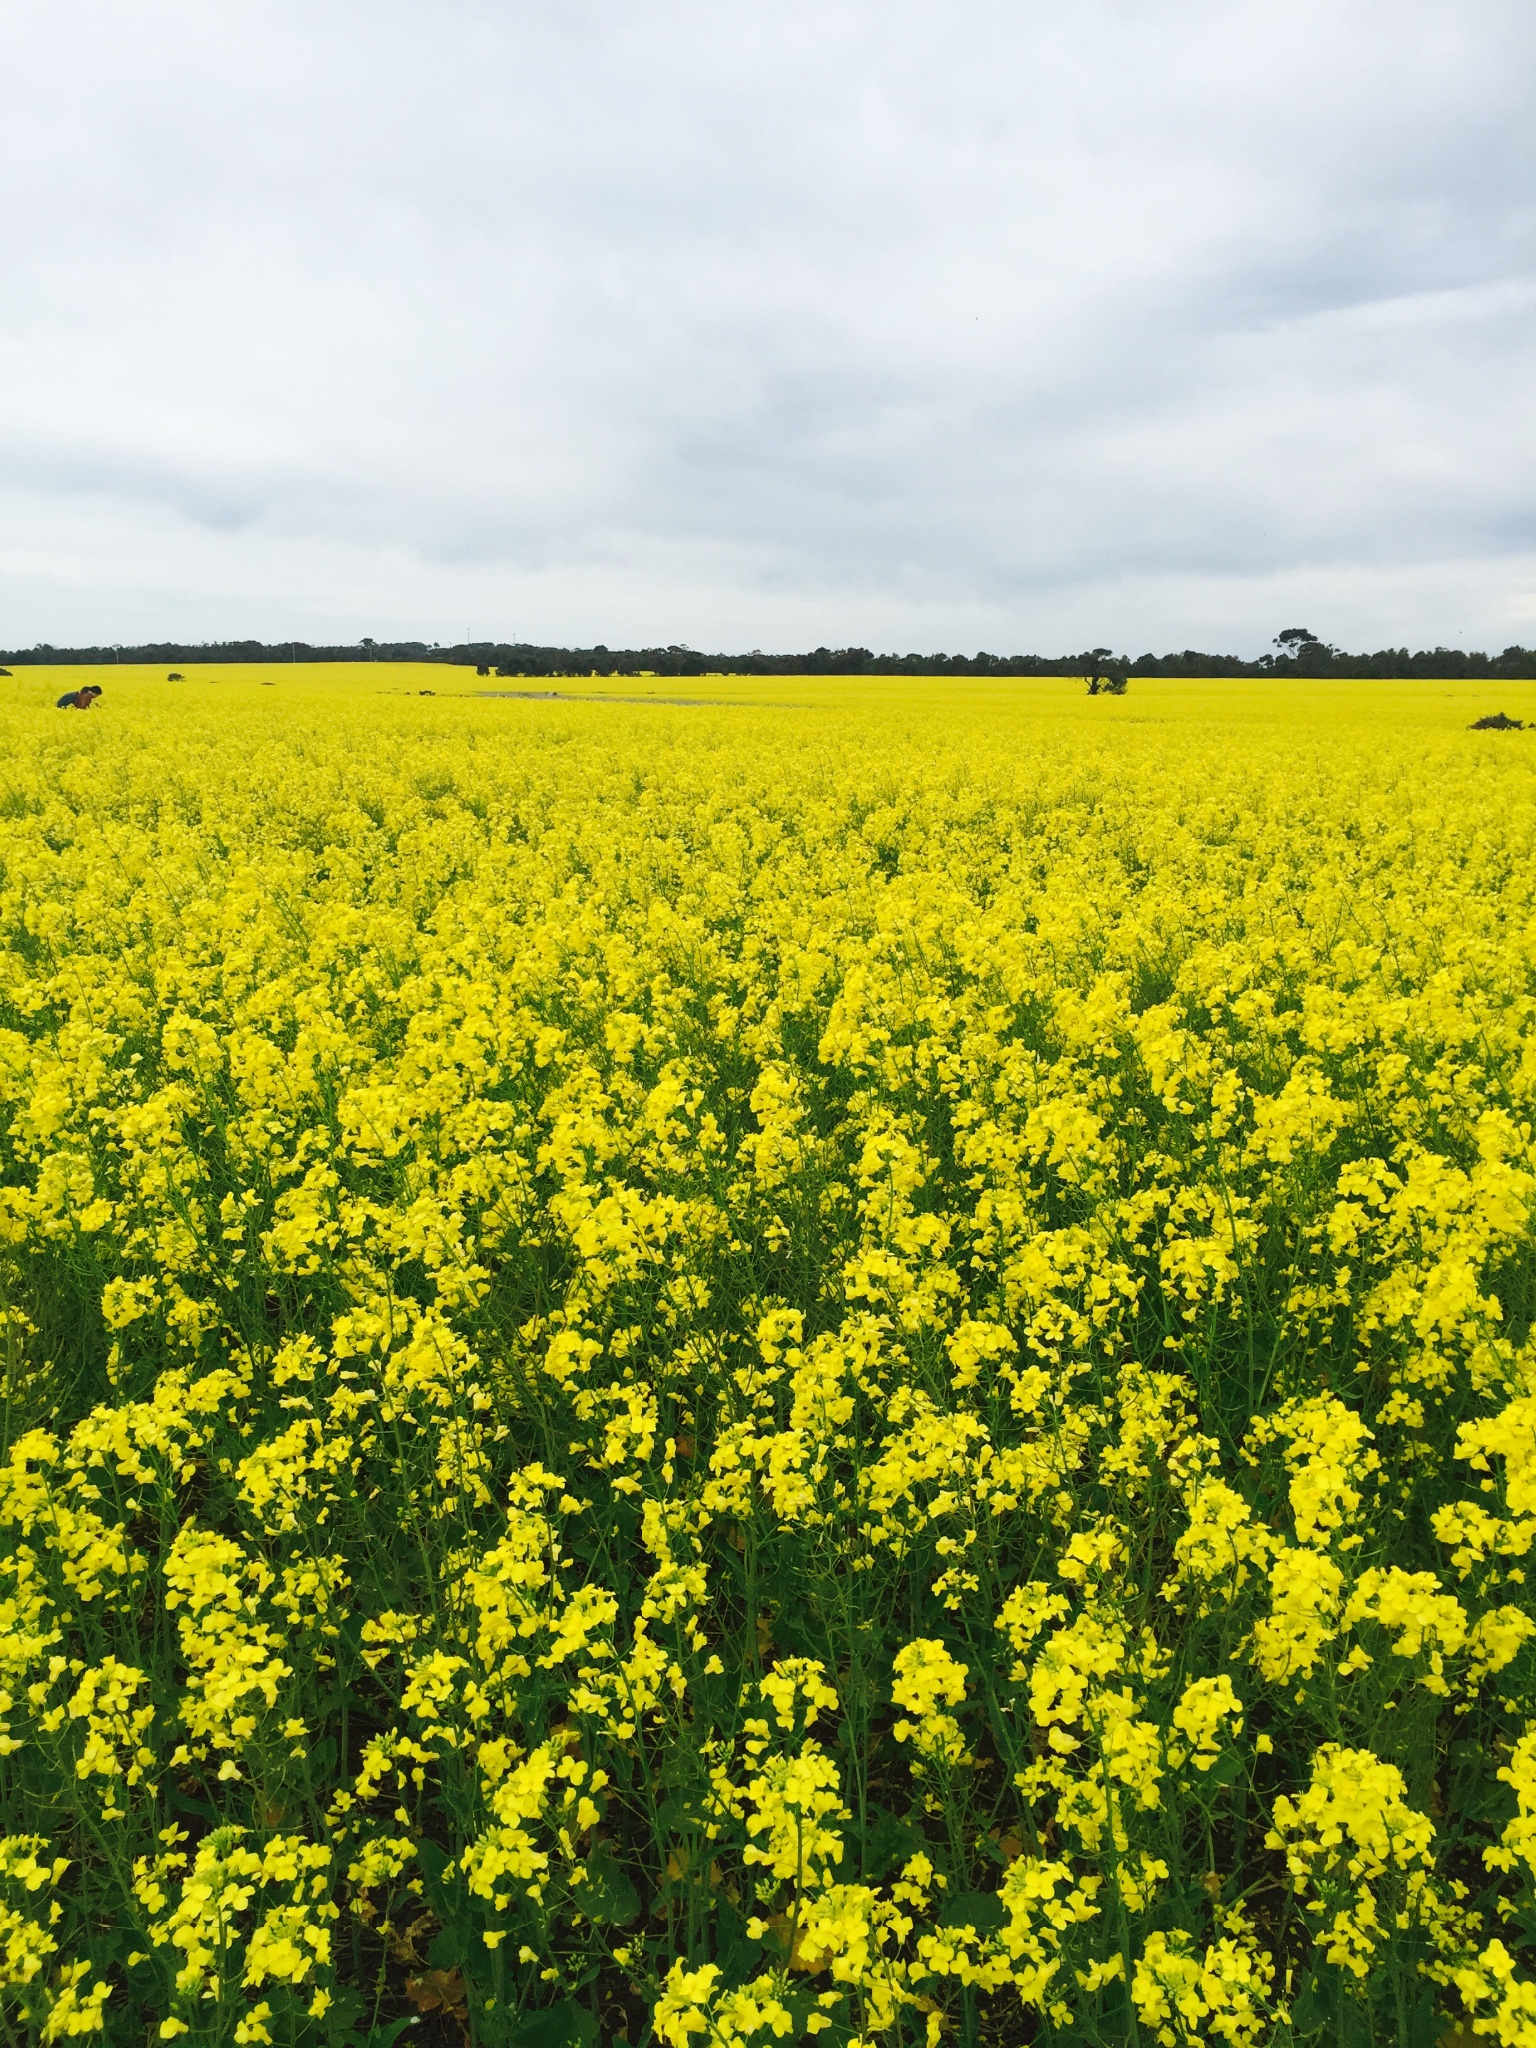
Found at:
<point>1298,652</point>
<point>206,651</point>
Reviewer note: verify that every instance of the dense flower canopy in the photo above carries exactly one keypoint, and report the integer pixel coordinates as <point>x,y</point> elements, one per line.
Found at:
<point>853,1364</point>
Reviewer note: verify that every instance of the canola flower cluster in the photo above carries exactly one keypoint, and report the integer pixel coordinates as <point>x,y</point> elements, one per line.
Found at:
<point>857,1370</point>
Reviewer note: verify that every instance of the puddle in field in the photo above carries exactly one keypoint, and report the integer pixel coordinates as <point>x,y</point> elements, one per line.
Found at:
<point>603,697</point>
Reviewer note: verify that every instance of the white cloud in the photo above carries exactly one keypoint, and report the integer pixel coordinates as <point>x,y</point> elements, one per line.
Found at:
<point>983,324</point>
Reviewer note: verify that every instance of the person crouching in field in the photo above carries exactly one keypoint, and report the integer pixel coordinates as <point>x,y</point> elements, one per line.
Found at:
<point>79,700</point>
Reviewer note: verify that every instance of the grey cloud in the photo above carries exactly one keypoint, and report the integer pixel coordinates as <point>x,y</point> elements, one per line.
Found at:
<point>990,323</point>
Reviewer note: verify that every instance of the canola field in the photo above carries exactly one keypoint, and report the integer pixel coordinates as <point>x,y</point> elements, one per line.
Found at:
<point>852,1363</point>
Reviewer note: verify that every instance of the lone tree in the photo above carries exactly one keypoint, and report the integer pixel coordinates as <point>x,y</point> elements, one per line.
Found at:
<point>1302,642</point>
<point>1097,679</point>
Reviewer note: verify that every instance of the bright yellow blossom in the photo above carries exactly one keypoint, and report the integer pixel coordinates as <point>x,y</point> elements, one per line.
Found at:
<point>787,1360</point>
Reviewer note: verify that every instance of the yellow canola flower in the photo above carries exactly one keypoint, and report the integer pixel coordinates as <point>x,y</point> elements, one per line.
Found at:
<point>1305,1589</point>
<point>1208,1713</point>
<point>793,1805</point>
<point>925,1674</point>
<point>789,1311</point>
<point>1427,1622</point>
<point>926,1678</point>
<point>1349,1829</point>
<point>226,1880</point>
<point>1222,1994</point>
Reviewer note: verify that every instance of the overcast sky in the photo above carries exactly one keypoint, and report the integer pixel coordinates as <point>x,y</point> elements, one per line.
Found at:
<point>766,323</point>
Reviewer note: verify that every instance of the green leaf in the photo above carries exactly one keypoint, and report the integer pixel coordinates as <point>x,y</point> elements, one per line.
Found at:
<point>887,1842</point>
<point>566,2025</point>
<point>387,2035</point>
<point>606,1896</point>
<point>446,1949</point>
<point>981,1910</point>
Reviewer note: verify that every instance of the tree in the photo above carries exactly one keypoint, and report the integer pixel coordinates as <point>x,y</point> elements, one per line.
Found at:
<point>1302,643</point>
